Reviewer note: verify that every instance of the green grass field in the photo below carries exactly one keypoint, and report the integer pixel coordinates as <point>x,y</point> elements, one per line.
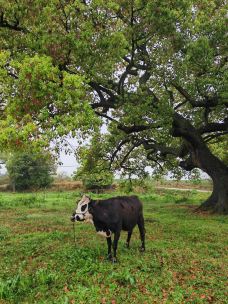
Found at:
<point>185,259</point>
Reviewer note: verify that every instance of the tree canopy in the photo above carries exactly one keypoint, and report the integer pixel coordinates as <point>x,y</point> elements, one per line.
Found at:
<point>154,72</point>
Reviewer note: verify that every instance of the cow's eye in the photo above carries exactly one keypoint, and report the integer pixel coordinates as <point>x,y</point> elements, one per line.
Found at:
<point>83,208</point>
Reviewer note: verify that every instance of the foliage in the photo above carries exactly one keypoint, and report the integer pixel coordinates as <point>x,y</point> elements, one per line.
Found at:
<point>58,58</point>
<point>154,73</point>
<point>135,184</point>
<point>30,171</point>
<point>184,260</point>
<point>94,171</point>
<point>220,148</point>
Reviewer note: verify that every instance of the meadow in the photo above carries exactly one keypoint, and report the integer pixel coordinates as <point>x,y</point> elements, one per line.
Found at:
<point>185,259</point>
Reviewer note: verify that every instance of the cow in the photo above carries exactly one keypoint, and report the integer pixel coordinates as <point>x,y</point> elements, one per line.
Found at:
<point>110,216</point>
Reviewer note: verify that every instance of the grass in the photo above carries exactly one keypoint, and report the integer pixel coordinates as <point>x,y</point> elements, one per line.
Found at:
<point>184,262</point>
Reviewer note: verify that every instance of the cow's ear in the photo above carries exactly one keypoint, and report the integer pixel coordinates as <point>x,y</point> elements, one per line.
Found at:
<point>84,197</point>
<point>90,205</point>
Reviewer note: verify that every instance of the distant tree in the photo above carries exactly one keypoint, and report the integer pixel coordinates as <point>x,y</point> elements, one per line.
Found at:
<point>94,171</point>
<point>30,171</point>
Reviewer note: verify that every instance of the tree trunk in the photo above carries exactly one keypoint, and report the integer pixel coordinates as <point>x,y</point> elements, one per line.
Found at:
<point>218,201</point>
<point>201,157</point>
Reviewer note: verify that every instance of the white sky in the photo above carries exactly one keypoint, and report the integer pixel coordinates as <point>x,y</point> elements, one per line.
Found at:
<point>69,164</point>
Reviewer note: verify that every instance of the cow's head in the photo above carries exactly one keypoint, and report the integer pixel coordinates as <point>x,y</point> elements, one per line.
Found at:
<point>82,211</point>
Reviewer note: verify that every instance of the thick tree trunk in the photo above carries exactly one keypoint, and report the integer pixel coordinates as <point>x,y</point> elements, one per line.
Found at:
<point>201,157</point>
<point>218,201</point>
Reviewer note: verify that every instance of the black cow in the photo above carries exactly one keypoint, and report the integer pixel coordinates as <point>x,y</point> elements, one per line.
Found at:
<point>111,216</point>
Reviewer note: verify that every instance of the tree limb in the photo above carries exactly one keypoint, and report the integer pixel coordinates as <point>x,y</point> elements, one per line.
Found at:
<point>214,127</point>
<point>137,144</point>
<point>149,157</point>
<point>213,136</point>
<point>118,148</point>
<point>206,102</point>
<point>12,26</point>
<point>134,129</point>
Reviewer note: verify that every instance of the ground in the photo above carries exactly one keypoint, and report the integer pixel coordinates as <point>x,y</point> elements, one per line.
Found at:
<point>184,262</point>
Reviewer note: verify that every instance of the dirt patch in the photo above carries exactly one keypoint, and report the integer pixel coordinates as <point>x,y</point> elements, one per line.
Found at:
<point>196,210</point>
<point>202,185</point>
<point>66,185</point>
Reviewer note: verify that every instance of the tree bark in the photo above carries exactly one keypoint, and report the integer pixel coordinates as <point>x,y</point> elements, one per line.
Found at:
<point>201,157</point>
<point>218,201</point>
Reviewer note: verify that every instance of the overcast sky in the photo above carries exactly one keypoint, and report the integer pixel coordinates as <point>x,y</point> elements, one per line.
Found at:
<point>69,164</point>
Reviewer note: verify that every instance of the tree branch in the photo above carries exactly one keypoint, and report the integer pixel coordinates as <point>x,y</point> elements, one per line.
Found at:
<point>164,150</point>
<point>134,129</point>
<point>128,71</point>
<point>12,26</point>
<point>206,102</point>
<point>118,148</point>
<point>213,136</point>
<point>136,65</point>
<point>214,127</point>
<point>137,144</point>
<point>149,157</point>
<point>106,116</point>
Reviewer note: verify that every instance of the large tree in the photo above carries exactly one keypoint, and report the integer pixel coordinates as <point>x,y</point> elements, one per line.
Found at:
<point>154,71</point>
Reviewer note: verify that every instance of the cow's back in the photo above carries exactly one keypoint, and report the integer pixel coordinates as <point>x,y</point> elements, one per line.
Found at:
<point>123,211</point>
<point>131,209</point>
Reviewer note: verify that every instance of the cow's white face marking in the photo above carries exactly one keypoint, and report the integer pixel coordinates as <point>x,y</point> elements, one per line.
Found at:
<point>82,211</point>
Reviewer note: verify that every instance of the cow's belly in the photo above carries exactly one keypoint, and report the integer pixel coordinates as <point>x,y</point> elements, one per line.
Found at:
<point>128,224</point>
<point>105,234</point>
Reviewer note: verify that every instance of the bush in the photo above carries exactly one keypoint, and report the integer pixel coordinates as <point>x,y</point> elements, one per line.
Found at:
<point>95,179</point>
<point>136,185</point>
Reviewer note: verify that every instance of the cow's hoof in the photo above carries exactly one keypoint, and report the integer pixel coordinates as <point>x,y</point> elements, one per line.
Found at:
<point>109,257</point>
<point>142,249</point>
<point>114,260</point>
<point>127,245</point>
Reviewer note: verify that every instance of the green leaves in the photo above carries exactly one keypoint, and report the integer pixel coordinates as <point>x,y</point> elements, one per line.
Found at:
<point>200,55</point>
<point>43,97</point>
<point>30,170</point>
<point>94,170</point>
<point>37,84</point>
<point>4,57</point>
<point>61,60</point>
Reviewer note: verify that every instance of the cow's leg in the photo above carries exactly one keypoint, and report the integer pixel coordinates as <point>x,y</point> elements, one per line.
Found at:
<point>109,242</point>
<point>128,238</point>
<point>142,231</point>
<point>115,244</point>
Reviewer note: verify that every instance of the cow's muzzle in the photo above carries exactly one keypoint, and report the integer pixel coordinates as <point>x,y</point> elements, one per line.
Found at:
<point>76,218</point>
